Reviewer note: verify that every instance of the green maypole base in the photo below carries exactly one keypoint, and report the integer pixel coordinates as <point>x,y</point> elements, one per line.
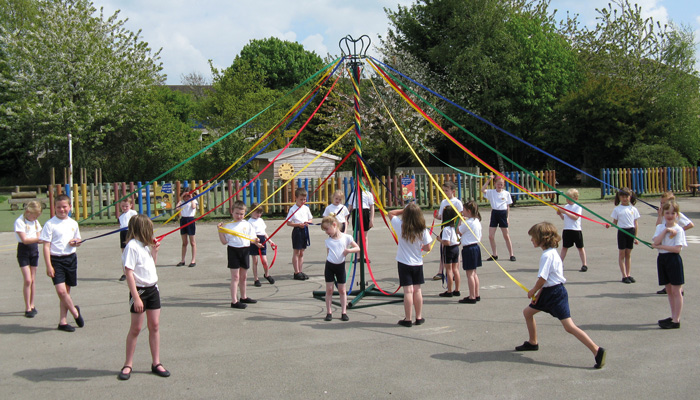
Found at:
<point>371,290</point>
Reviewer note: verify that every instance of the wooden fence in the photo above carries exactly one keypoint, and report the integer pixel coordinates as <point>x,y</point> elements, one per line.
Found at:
<point>97,201</point>
<point>650,181</point>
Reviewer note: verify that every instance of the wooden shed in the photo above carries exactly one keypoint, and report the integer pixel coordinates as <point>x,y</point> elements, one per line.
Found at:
<point>293,160</point>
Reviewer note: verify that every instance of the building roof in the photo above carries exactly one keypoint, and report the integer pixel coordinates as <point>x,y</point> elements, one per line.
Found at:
<point>293,151</point>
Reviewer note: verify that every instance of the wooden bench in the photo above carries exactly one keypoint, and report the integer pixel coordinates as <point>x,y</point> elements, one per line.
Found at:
<point>15,203</point>
<point>515,196</point>
<point>695,187</point>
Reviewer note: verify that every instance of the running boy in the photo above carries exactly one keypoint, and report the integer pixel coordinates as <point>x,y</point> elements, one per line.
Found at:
<point>669,239</point>
<point>550,295</point>
<point>238,250</point>
<point>299,217</point>
<point>127,207</point>
<point>500,201</point>
<point>27,229</point>
<point>60,237</point>
<point>338,245</point>
<point>256,251</point>
<point>572,235</point>
<point>187,213</point>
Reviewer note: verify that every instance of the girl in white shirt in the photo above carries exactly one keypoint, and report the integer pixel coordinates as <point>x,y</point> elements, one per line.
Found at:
<point>27,229</point>
<point>625,216</point>
<point>471,252</point>
<point>338,246</point>
<point>139,260</point>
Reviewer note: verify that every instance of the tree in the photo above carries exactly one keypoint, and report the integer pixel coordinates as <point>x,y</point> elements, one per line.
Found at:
<point>73,73</point>
<point>285,64</point>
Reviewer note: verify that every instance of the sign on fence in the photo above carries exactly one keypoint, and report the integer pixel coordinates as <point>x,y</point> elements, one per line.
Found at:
<point>408,188</point>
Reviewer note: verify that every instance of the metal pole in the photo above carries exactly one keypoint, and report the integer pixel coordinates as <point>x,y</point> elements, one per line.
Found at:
<point>70,165</point>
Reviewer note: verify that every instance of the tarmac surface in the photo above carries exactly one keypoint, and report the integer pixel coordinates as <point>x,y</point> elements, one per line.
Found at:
<point>282,348</point>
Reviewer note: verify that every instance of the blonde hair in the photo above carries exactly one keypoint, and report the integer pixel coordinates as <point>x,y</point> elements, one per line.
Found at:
<point>573,193</point>
<point>338,193</point>
<point>671,204</point>
<point>668,196</point>
<point>239,205</point>
<point>141,229</point>
<point>327,221</point>
<point>33,207</point>
<point>412,223</point>
<point>545,235</point>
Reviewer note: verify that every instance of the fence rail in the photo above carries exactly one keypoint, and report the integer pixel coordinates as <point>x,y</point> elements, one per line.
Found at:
<point>650,181</point>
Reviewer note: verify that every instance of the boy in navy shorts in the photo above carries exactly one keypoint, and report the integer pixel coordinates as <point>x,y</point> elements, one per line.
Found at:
<point>550,295</point>
<point>60,237</point>
<point>238,235</point>
<point>299,217</point>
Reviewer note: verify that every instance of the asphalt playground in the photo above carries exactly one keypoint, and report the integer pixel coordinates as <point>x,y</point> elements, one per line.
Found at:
<point>282,348</point>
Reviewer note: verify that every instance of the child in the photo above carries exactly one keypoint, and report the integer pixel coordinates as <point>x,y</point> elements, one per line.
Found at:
<point>139,260</point>
<point>449,188</point>
<point>471,252</point>
<point>256,251</point>
<point>300,221</point>
<point>500,201</point>
<point>550,295</point>
<point>338,210</point>
<point>669,239</point>
<point>683,221</point>
<point>187,213</point>
<point>238,250</point>
<point>413,238</point>
<point>27,229</point>
<point>572,227</point>
<point>338,245</point>
<point>367,212</point>
<point>450,252</point>
<point>625,216</point>
<point>126,206</point>
<point>60,237</point>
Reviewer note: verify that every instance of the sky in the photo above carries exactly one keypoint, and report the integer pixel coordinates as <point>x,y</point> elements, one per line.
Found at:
<point>217,30</point>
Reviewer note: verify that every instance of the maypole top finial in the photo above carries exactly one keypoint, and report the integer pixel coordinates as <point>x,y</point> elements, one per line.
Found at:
<point>354,49</point>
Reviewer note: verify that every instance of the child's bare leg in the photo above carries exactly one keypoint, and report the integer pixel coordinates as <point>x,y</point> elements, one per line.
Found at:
<point>529,314</point>
<point>628,261</point>
<point>234,285</point>
<point>407,302</point>
<point>509,244</point>
<point>300,261</point>
<point>154,335</point>
<point>570,327</point>
<point>184,248</point>
<point>455,276</point>
<point>28,287</point>
<point>132,336</point>
<point>329,296</point>
<point>448,273</point>
<point>582,254</point>
<point>675,297</point>
<point>295,260</point>
<point>242,276</point>
<point>254,260</point>
<point>476,284</point>
<point>621,262</point>
<point>492,241</point>
<point>343,298</point>
<point>266,268</point>
<point>417,302</point>
<point>65,303</point>
<point>471,283</point>
<point>193,242</point>
<point>562,255</point>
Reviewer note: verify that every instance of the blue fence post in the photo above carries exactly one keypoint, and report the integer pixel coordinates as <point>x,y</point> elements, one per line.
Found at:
<point>257,190</point>
<point>140,197</point>
<point>148,200</point>
<point>251,192</point>
<point>244,191</point>
<point>459,186</point>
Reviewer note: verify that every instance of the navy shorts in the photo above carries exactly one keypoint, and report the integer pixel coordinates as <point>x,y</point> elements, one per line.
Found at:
<point>365,219</point>
<point>335,273</point>
<point>555,301</point>
<point>65,269</point>
<point>259,251</point>
<point>122,238</point>
<point>471,256</point>
<point>238,257</point>
<point>570,237</point>
<point>625,241</point>
<point>410,274</point>
<point>300,238</point>
<point>190,229</point>
<point>28,254</point>
<point>669,267</point>
<point>499,218</point>
<point>150,296</point>
<point>450,254</point>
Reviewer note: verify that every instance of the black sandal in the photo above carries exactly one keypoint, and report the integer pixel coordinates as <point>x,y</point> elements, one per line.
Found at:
<point>124,376</point>
<point>164,374</point>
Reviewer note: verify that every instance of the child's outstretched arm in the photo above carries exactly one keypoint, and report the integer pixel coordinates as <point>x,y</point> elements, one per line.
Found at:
<point>485,186</point>
<point>222,236</point>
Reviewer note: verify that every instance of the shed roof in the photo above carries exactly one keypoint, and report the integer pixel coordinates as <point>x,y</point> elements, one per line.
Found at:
<point>293,151</point>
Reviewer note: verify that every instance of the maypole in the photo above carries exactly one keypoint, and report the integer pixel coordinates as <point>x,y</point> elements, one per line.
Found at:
<point>354,51</point>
